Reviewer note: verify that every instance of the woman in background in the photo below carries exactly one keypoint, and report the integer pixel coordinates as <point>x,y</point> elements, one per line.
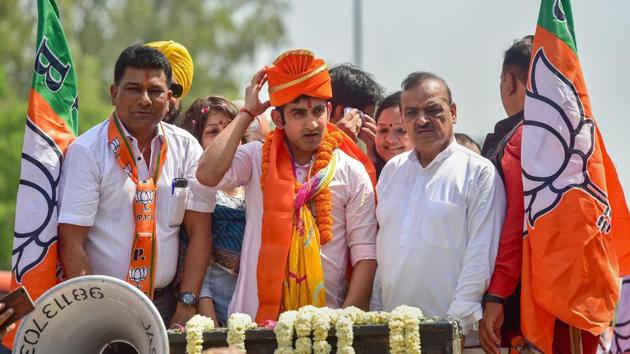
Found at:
<point>205,119</point>
<point>391,136</point>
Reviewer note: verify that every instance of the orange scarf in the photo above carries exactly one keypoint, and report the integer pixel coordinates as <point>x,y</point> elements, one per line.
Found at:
<point>278,185</point>
<point>143,252</point>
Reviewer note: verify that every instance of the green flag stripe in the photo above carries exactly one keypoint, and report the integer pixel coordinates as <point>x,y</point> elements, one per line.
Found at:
<point>556,17</point>
<point>54,77</point>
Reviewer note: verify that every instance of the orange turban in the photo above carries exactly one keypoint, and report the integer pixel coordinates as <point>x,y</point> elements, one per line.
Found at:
<point>295,73</point>
<point>180,60</point>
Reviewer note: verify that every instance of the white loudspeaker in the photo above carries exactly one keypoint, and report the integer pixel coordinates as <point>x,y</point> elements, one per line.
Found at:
<point>93,314</point>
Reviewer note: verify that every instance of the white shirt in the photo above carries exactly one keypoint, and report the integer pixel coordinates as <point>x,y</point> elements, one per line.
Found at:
<point>95,192</point>
<point>354,225</point>
<point>439,233</point>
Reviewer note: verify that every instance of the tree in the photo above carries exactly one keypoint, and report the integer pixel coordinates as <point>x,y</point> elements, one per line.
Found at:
<point>221,35</point>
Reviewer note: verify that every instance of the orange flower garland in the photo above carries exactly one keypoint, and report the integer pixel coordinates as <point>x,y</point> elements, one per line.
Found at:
<point>323,200</point>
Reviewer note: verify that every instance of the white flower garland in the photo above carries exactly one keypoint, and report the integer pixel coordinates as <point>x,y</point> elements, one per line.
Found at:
<point>345,335</point>
<point>238,323</point>
<point>321,324</point>
<point>194,333</point>
<point>403,322</point>
<point>284,332</point>
<point>404,334</point>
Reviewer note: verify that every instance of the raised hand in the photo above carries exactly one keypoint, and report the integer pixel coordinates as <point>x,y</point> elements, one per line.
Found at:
<point>252,100</point>
<point>351,123</point>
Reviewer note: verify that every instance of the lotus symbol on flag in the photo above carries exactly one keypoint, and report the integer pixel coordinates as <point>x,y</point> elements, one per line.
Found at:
<point>145,198</point>
<point>36,218</point>
<point>564,140</point>
<point>138,274</point>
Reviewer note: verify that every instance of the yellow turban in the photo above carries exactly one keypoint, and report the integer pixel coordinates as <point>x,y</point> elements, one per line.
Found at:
<point>180,60</point>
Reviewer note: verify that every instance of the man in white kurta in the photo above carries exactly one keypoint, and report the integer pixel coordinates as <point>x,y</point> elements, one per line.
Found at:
<point>354,225</point>
<point>299,87</point>
<point>440,212</point>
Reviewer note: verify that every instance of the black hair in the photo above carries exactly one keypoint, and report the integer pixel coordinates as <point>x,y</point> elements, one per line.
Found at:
<point>518,56</point>
<point>139,56</point>
<point>419,77</point>
<point>464,139</point>
<point>393,100</point>
<point>194,120</point>
<point>353,87</point>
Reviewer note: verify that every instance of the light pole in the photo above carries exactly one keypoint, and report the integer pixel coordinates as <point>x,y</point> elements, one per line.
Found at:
<point>357,34</point>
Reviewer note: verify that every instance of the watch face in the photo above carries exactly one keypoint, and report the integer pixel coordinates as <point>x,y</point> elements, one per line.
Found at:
<point>187,298</point>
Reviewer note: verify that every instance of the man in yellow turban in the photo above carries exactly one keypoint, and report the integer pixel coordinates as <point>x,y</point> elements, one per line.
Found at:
<point>182,68</point>
<point>310,196</point>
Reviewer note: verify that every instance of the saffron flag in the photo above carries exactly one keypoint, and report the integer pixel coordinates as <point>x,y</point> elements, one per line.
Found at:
<point>51,125</point>
<point>576,244</point>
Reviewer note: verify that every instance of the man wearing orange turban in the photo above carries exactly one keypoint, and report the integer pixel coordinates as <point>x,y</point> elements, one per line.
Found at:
<point>182,68</point>
<point>310,196</point>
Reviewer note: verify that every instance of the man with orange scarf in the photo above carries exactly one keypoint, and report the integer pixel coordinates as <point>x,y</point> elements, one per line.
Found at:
<point>310,196</point>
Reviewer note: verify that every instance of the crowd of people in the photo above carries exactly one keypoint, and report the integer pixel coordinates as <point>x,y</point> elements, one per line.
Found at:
<point>329,194</point>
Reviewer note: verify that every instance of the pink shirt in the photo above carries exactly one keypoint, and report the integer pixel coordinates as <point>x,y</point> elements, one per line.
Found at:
<point>354,225</point>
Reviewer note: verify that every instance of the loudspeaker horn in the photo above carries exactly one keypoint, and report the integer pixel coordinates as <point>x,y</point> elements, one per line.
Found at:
<point>92,314</point>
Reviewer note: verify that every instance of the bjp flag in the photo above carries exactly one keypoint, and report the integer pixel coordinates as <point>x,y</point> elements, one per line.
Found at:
<point>577,238</point>
<point>51,125</point>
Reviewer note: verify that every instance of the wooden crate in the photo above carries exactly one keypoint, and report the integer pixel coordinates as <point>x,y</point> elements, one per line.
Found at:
<point>437,337</point>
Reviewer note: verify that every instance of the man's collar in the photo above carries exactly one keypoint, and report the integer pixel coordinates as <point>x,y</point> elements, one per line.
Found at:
<point>505,125</point>
<point>452,146</point>
<point>160,133</point>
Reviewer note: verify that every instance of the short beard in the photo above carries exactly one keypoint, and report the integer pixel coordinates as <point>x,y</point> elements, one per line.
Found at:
<point>173,114</point>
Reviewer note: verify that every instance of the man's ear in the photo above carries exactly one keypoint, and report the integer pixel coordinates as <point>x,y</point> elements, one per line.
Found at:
<point>276,118</point>
<point>337,112</point>
<point>113,91</point>
<point>453,110</point>
<point>511,81</point>
<point>329,109</point>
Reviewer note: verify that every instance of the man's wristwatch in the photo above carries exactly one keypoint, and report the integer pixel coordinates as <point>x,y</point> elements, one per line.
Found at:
<point>493,298</point>
<point>187,298</point>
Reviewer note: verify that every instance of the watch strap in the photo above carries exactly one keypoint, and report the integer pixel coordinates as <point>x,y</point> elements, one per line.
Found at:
<point>494,298</point>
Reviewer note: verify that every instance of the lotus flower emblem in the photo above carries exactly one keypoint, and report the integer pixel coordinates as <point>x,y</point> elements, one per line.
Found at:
<point>115,145</point>
<point>564,139</point>
<point>127,170</point>
<point>36,218</point>
<point>138,274</point>
<point>145,198</point>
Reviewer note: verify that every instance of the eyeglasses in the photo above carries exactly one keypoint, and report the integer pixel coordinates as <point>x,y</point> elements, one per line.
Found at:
<point>177,90</point>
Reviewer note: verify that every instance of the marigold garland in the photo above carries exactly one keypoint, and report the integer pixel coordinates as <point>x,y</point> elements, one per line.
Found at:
<point>323,200</point>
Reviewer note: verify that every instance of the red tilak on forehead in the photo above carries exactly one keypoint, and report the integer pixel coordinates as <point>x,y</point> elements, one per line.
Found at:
<point>308,103</point>
<point>146,80</point>
<point>391,125</point>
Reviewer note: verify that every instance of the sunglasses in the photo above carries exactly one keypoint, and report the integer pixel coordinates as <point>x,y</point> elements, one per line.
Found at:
<point>177,90</point>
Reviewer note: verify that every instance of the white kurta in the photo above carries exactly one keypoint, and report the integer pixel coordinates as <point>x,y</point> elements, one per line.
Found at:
<point>95,192</point>
<point>439,233</point>
<point>354,225</point>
